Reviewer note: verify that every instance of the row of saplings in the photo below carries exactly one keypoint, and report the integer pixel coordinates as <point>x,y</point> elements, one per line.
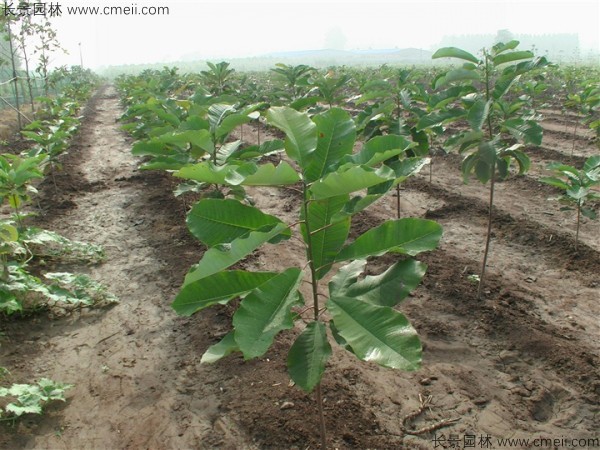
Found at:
<point>25,250</point>
<point>334,184</point>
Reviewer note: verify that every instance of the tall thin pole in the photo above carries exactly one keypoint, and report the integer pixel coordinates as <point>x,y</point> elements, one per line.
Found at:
<point>80,56</point>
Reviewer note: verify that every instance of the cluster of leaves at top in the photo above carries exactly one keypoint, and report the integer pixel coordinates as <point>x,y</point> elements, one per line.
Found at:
<point>190,138</point>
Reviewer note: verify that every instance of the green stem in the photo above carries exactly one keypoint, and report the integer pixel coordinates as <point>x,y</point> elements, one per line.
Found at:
<point>5,272</point>
<point>15,199</point>
<point>315,295</point>
<point>398,211</point>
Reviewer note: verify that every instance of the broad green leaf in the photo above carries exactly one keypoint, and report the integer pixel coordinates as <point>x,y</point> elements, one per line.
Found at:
<point>265,312</point>
<point>577,192</point>
<point>521,157</point>
<point>359,203</point>
<point>254,151</point>
<point>225,255</point>
<point>336,134</point>
<point>438,118</point>
<point>221,349</point>
<point>589,213</point>
<point>379,149</point>
<point>349,179</point>
<point>478,114</point>
<point>217,113</point>
<point>373,95</point>
<point>199,138</point>
<point>327,237</point>
<point>308,356</point>
<point>339,339</point>
<point>591,167</point>
<point>300,131</point>
<point>207,172</point>
<point>8,233</point>
<point>218,288</point>
<point>304,102</point>
<point>218,221</point>
<point>18,410</point>
<point>408,236</point>
<point>557,182</point>
<point>512,56</point>
<point>376,333</point>
<point>151,148</point>
<point>457,75</point>
<point>404,168</point>
<point>174,162</point>
<point>502,47</point>
<point>387,289</point>
<point>226,150</point>
<point>503,84</point>
<point>453,52</point>
<point>229,123</point>
<point>270,175</point>
<point>527,131</point>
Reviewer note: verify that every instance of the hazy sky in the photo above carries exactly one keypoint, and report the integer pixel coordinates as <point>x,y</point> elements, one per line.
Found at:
<point>228,29</point>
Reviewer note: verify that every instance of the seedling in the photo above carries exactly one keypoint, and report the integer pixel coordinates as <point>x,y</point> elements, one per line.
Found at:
<point>359,309</point>
<point>577,186</point>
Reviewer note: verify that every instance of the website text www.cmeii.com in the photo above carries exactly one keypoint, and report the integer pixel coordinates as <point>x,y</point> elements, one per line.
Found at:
<point>54,9</point>
<point>467,441</point>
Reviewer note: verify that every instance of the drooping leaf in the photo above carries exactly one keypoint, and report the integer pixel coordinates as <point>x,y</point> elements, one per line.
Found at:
<point>223,256</point>
<point>336,134</point>
<point>407,167</point>
<point>527,131</point>
<point>438,118</point>
<point>408,236</point>
<point>379,149</point>
<point>348,179</point>
<point>199,138</point>
<point>265,312</point>
<point>386,289</point>
<point>219,221</point>
<point>218,288</point>
<point>326,237</point>
<point>376,333</point>
<point>207,172</point>
<point>270,175</point>
<point>553,181</point>
<point>512,56</point>
<point>454,75</point>
<point>300,131</point>
<point>478,114</point>
<point>229,123</point>
<point>453,52</point>
<point>308,356</point>
<point>221,349</point>
<point>254,151</point>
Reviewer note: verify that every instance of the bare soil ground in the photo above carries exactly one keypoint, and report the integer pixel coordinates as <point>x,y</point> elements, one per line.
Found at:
<point>523,362</point>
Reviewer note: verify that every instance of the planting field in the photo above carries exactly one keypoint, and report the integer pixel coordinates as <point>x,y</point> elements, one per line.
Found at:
<point>522,361</point>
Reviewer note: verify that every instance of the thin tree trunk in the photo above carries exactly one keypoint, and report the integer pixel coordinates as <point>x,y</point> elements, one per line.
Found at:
<point>489,234</point>
<point>574,135</point>
<point>315,295</point>
<point>14,71</point>
<point>578,222</point>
